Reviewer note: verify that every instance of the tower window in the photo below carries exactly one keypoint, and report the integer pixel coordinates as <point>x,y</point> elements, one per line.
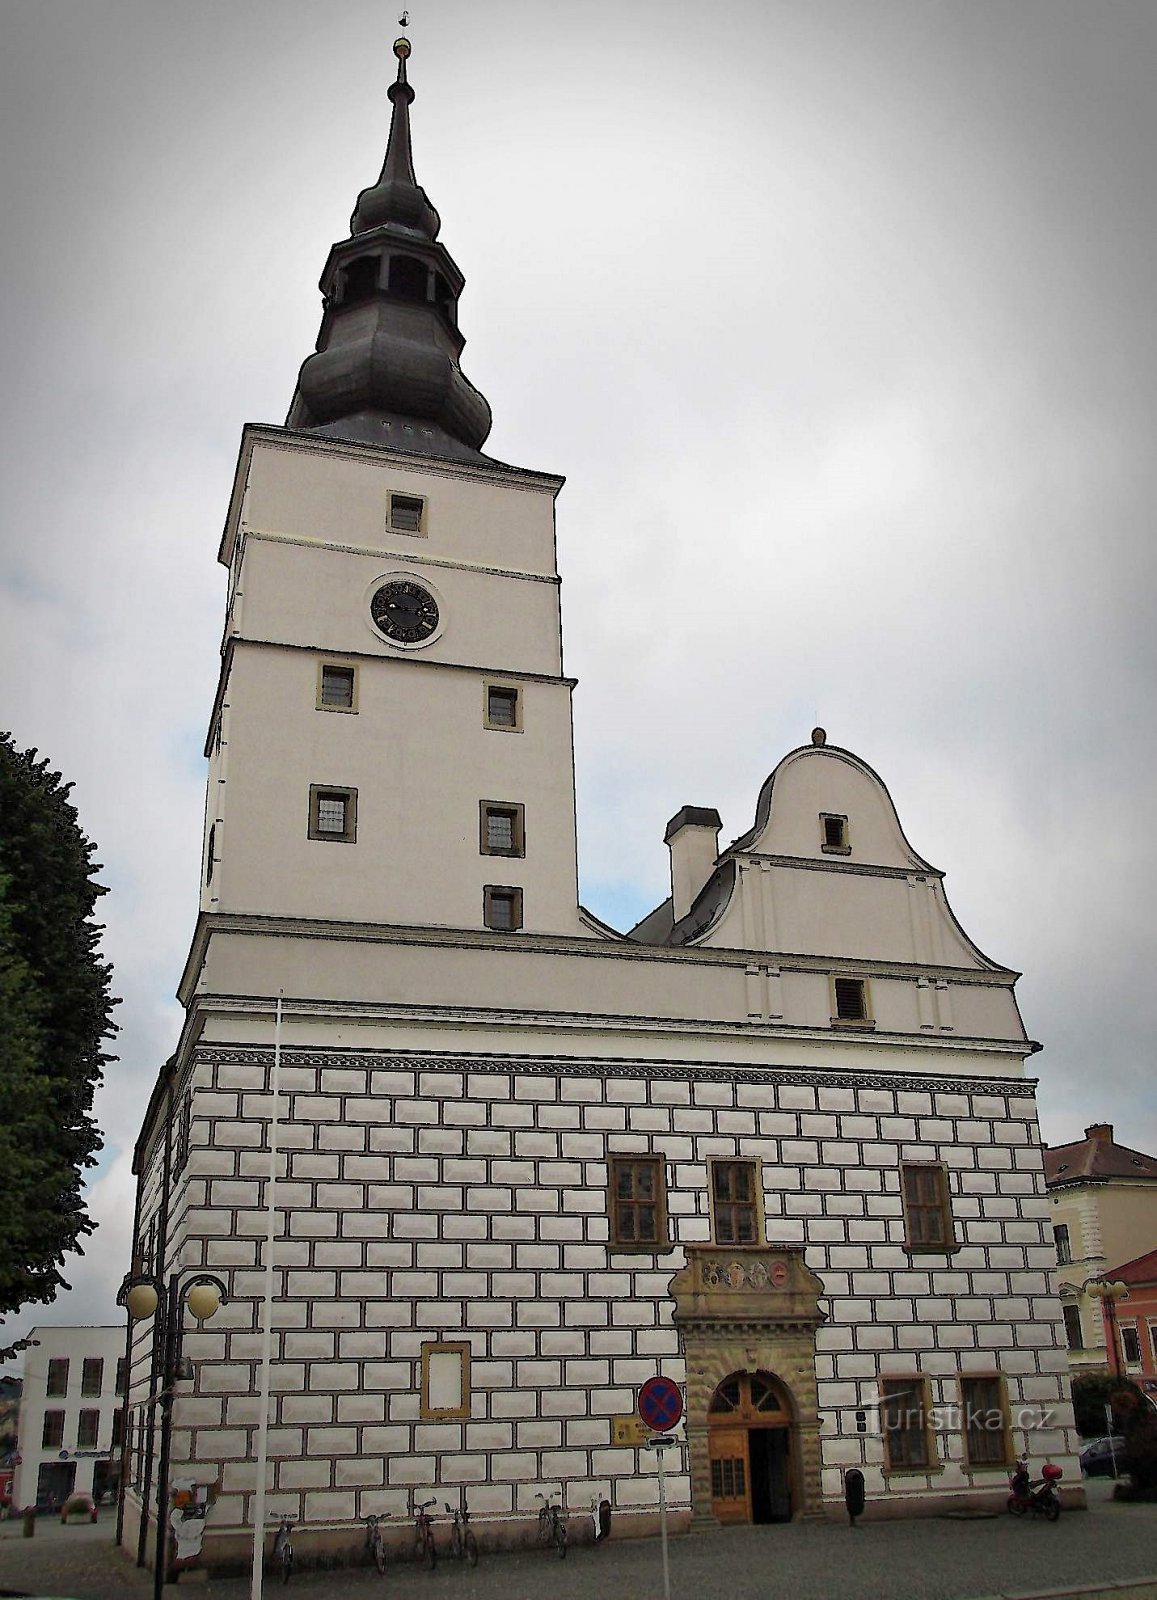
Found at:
<point>503,707</point>
<point>834,834</point>
<point>851,997</point>
<point>360,280</point>
<point>337,687</point>
<point>333,813</point>
<point>407,513</point>
<point>501,829</point>
<point>408,278</point>
<point>502,907</point>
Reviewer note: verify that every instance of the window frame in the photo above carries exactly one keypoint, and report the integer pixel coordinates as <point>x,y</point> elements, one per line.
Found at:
<point>90,1366</point>
<point>1126,1329</point>
<point>1007,1454</point>
<point>422,530</point>
<point>843,848</point>
<point>914,1383</point>
<point>437,1347</point>
<point>88,1428</point>
<point>58,1369</point>
<point>868,1019</point>
<point>493,892</point>
<point>320,702</point>
<point>1071,1313</point>
<point>328,791</point>
<point>715,1164</point>
<point>122,1376</point>
<point>52,1431</point>
<point>1064,1244</point>
<point>949,1241</point>
<point>616,1206</point>
<point>505,808</point>
<point>512,689</point>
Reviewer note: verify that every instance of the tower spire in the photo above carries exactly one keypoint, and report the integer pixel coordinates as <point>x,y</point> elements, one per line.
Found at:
<point>386,369</point>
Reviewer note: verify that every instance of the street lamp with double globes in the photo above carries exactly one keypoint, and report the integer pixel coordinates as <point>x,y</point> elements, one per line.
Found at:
<point>145,1296</point>
<point>1108,1293</point>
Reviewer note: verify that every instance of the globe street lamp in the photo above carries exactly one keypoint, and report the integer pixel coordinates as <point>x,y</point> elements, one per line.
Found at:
<point>145,1296</point>
<point>1108,1293</point>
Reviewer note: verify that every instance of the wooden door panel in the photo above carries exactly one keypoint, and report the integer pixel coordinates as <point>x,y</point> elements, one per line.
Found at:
<point>730,1474</point>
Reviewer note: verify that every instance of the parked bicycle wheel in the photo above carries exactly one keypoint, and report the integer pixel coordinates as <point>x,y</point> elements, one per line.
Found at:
<point>286,1562</point>
<point>456,1542</point>
<point>379,1554</point>
<point>560,1539</point>
<point>471,1546</point>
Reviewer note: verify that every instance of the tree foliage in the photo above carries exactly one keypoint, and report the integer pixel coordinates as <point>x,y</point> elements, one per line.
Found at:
<point>1093,1391</point>
<point>55,1012</point>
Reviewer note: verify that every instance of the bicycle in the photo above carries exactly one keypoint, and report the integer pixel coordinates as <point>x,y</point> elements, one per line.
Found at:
<point>462,1540</point>
<point>375,1543</point>
<point>424,1547</point>
<point>283,1549</point>
<point>551,1525</point>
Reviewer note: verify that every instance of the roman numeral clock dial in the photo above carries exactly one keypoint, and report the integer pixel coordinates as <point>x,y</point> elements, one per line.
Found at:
<point>404,611</point>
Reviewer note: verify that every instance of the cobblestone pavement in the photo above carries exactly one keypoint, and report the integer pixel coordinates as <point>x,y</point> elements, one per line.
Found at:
<point>925,1559</point>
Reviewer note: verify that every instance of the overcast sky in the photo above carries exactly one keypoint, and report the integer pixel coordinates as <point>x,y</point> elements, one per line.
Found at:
<point>837,315</point>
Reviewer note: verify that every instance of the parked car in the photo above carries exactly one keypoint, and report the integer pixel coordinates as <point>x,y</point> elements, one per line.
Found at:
<point>78,1505</point>
<point>1101,1458</point>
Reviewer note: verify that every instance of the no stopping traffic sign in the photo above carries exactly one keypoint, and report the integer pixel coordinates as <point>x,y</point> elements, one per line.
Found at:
<point>660,1404</point>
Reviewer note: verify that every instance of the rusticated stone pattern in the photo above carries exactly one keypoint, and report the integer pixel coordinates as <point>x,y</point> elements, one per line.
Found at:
<point>422,1201</point>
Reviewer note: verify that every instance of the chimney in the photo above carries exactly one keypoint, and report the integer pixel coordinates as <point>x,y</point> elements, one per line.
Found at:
<point>1102,1131</point>
<point>692,837</point>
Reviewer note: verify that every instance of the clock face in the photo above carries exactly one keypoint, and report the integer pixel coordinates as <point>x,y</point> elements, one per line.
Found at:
<point>404,611</point>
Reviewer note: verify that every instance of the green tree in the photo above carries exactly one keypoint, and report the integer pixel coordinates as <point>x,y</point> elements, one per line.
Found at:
<point>1093,1391</point>
<point>55,1012</point>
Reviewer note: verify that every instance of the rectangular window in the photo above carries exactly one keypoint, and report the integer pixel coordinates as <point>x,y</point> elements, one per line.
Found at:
<point>57,1376</point>
<point>184,1133</point>
<point>53,1436</point>
<point>638,1200</point>
<point>503,707</point>
<point>502,907</point>
<point>1130,1343</point>
<point>734,1208</point>
<point>407,513</point>
<point>927,1207</point>
<point>501,831</point>
<point>337,687</point>
<point>904,1419</point>
<point>333,814</point>
<point>1074,1337</point>
<point>122,1375</point>
<point>987,1437</point>
<point>1064,1249</point>
<point>850,996</point>
<point>834,835</point>
<point>118,1428</point>
<point>1153,1337</point>
<point>445,1380</point>
<point>88,1430</point>
<point>92,1376</point>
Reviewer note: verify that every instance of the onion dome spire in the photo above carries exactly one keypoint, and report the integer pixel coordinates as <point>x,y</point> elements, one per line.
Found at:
<point>386,369</point>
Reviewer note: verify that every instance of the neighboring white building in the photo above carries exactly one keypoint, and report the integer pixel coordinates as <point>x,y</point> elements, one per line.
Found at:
<point>776,1143</point>
<point>71,1415</point>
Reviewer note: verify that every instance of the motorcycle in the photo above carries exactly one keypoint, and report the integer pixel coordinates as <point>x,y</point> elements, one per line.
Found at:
<point>1041,1499</point>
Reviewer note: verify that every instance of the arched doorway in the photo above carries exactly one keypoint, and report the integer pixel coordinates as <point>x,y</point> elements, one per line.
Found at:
<point>749,1442</point>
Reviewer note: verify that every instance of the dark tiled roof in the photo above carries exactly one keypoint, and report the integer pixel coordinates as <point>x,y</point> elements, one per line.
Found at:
<point>1096,1157</point>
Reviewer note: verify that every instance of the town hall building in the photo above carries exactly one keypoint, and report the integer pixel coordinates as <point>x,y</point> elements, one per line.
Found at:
<point>777,1142</point>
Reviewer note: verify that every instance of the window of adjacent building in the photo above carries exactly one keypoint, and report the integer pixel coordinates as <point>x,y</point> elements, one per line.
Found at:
<point>92,1376</point>
<point>122,1378</point>
<point>1130,1342</point>
<point>118,1428</point>
<point>904,1420</point>
<point>851,1000</point>
<point>337,687</point>
<point>445,1380</point>
<point>53,1435</point>
<point>57,1376</point>
<point>501,831</point>
<point>927,1207</point>
<point>1064,1249</point>
<point>407,513</point>
<point>734,1203</point>
<point>87,1430</point>
<point>1153,1337</point>
<point>211,855</point>
<point>503,707</point>
<point>986,1430</point>
<point>502,907</point>
<point>333,814</point>
<point>638,1200</point>
<point>834,834</point>
<point>1074,1336</point>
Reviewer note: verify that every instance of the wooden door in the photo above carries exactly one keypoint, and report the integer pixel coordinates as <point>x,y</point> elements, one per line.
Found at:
<point>730,1474</point>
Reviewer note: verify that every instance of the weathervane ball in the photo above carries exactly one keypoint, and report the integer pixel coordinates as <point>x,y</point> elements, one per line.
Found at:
<point>401,48</point>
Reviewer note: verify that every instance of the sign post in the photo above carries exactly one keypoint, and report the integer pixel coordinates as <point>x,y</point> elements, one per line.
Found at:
<point>661,1407</point>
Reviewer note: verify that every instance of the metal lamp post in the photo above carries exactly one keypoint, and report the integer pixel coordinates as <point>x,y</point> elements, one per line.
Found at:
<point>144,1296</point>
<point>1108,1293</point>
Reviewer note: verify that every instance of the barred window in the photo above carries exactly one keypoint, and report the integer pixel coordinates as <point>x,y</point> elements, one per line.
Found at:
<point>337,688</point>
<point>333,813</point>
<point>501,830</point>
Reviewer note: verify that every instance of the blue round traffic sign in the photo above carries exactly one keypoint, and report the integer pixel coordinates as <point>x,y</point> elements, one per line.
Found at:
<point>660,1404</point>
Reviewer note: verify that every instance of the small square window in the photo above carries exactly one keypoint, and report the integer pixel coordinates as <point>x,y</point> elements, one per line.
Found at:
<point>87,1430</point>
<point>57,1376</point>
<point>91,1376</point>
<point>851,1000</point>
<point>407,513</point>
<point>834,834</point>
<point>337,687</point>
<point>503,707</point>
<point>501,829</point>
<point>502,907</point>
<point>927,1207</point>
<point>637,1201</point>
<point>333,814</point>
<point>734,1203</point>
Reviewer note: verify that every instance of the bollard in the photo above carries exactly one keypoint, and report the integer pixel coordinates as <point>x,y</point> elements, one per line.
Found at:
<point>854,1494</point>
<point>30,1522</point>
